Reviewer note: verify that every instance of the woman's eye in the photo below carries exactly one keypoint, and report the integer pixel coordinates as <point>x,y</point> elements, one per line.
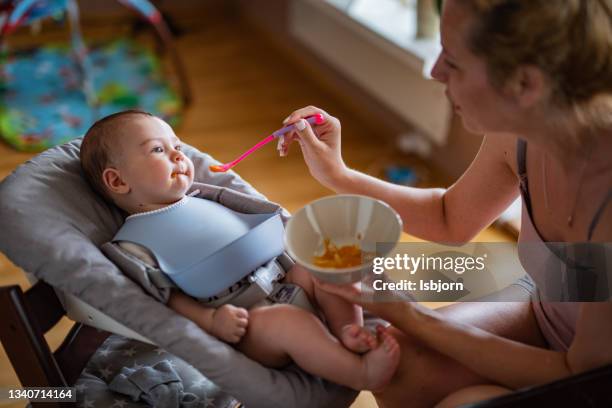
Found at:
<point>157,149</point>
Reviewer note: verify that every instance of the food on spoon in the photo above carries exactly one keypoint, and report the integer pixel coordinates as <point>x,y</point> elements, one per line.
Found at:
<point>216,168</point>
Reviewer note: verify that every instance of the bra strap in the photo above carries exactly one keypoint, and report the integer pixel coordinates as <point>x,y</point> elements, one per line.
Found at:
<point>521,163</point>
<point>599,213</point>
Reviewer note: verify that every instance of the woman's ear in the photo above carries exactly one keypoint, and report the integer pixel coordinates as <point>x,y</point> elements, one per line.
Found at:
<point>113,181</point>
<point>529,86</point>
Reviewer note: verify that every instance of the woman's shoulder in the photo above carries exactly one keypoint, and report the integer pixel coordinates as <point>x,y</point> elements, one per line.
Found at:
<point>504,147</point>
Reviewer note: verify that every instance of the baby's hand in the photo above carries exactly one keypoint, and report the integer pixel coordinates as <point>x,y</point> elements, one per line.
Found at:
<point>230,323</point>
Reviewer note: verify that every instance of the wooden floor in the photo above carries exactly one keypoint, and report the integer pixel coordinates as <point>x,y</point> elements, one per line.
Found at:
<point>243,89</point>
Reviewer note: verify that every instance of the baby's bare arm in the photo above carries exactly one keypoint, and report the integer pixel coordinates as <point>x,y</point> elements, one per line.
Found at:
<point>186,306</point>
<point>227,322</point>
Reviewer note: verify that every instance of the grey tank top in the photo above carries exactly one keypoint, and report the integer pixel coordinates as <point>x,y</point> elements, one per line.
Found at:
<point>563,272</point>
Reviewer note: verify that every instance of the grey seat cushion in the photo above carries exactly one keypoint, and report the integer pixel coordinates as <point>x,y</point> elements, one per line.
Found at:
<point>118,352</point>
<point>52,226</point>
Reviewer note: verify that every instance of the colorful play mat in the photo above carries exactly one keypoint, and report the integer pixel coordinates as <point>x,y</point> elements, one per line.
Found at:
<point>42,103</point>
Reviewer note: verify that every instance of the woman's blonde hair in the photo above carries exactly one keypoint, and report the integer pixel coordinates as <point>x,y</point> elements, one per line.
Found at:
<point>569,40</point>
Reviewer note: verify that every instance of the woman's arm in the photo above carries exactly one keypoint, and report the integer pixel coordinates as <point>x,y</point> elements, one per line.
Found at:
<point>503,361</point>
<point>508,362</point>
<point>454,215</point>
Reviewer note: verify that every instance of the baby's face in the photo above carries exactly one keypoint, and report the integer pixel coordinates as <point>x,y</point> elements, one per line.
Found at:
<point>152,164</point>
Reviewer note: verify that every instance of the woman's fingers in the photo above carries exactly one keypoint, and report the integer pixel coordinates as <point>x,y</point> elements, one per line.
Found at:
<point>320,144</point>
<point>391,309</point>
<point>281,146</point>
<point>303,133</point>
<point>307,135</point>
<point>303,113</point>
<point>348,292</point>
<point>285,142</point>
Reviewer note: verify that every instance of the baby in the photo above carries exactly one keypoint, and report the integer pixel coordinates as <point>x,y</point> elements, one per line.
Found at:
<point>135,161</point>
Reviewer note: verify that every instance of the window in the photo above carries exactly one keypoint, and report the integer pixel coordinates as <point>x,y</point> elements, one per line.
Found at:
<point>396,21</point>
<point>372,43</point>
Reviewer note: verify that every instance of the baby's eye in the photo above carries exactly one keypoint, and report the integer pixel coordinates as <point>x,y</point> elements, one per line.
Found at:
<point>157,149</point>
<point>178,147</point>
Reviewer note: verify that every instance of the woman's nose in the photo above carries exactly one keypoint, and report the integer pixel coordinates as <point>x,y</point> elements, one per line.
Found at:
<point>438,72</point>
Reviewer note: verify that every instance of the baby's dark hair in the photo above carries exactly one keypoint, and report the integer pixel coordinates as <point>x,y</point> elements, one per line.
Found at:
<point>99,145</point>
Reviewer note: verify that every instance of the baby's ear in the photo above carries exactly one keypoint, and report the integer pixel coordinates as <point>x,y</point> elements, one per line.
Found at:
<point>113,181</point>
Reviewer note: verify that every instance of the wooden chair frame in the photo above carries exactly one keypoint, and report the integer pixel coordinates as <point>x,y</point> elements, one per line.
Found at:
<point>26,317</point>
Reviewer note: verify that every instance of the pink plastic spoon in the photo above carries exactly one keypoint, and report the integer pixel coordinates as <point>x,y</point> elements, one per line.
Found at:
<point>313,120</point>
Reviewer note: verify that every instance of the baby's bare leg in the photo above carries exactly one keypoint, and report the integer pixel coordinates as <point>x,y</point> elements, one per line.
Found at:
<point>280,333</point>
<point>345,320</point>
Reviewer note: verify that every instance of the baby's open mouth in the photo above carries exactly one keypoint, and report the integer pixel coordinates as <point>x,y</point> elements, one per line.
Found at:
<point>178,173</point>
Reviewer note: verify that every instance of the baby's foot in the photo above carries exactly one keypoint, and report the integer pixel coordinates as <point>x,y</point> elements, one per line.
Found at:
<point>357,338</point>
<point>380,363</point>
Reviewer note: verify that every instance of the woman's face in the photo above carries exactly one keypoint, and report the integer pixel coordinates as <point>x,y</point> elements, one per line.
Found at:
<point>482,108</point>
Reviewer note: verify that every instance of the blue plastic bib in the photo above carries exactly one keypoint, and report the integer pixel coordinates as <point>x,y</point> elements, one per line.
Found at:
<point>203,246</point>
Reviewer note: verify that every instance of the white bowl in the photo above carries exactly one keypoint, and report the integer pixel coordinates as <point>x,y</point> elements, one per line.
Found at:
<point>345,219</point>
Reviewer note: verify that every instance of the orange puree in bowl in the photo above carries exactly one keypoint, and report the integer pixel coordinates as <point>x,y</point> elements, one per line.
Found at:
<point>338,257</point>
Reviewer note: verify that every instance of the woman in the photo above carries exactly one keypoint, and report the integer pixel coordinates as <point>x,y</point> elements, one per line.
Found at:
<point>534,76</point>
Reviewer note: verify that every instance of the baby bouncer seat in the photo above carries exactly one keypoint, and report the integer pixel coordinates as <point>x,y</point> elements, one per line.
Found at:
<point>53,225</point>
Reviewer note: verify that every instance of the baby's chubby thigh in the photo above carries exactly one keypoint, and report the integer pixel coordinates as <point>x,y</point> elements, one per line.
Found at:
<point>274,330</point>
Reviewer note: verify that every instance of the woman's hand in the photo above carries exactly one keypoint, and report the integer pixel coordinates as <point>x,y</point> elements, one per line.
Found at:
<point>320,146</point>
<point>229,323</point>
<point>393,306</point>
